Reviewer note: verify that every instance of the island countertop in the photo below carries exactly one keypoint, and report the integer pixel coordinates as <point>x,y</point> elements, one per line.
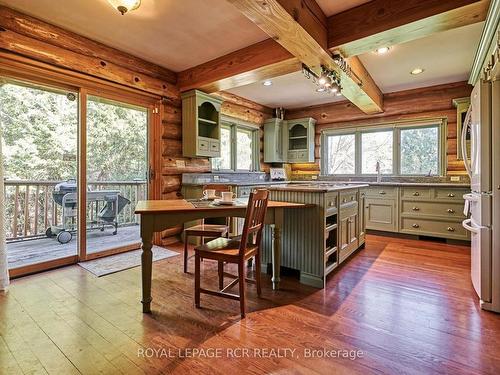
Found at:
<point>315,187</point>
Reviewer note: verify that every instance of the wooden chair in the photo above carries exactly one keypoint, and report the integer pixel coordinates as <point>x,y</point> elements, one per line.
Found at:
<point>206,230</point>
<point>238,251</point>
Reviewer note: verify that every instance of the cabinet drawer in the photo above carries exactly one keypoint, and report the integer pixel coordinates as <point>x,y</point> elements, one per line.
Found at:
<point>292,155</point>
<point>348,209</point>
<point>417,208</point>
<point>450,193</point>
<point>214,146</point>
<point>348,196</point>
<point>381,191</point>
<point>302,155</point>
<point>203,145</point>
<point>331,200</point>
<point>416,192</point>
<point>243,191</point>
<point>446,229</point>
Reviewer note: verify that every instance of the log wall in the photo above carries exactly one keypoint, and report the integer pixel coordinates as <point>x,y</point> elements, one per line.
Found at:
<point>434,101</point>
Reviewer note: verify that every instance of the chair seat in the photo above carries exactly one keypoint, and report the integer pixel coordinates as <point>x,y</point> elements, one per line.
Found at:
<point>207,230</point>
<point>224,248</point>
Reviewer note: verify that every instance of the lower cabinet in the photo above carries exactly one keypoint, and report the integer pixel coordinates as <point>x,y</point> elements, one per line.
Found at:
<point>349,232</point>
<point>381,214</point>
<point>361,218</point>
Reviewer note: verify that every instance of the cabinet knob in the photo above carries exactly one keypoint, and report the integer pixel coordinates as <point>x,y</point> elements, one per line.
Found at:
<point>416,194</point>
<point>343,200</point>
<point>416,225</point>
<point>415,208</point>
<point>450,229</point>
<point>381,192</point>
<point>451,195</point>
<point>450,211</point>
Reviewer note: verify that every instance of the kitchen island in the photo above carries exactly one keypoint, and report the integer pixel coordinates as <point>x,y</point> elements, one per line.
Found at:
<point>315,242</point>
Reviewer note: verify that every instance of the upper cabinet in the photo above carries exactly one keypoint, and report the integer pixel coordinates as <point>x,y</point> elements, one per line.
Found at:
<point>275,141</point>
<point>200,124</point>
<point>300,140</point>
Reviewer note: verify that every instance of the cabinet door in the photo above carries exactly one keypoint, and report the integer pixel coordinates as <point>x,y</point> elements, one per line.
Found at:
<point>353,231</point>
<point>361,219</point>
<point>344,233</point>
<point>381,214</point>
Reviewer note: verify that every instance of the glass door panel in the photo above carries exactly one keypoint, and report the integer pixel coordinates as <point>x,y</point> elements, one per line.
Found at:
<point>117,165</point>
<point>39,141</point>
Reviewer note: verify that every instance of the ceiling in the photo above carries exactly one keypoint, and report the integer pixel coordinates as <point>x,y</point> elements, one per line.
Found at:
<point>331,7</point>
<point>176,34</point>
<point>446,57</point>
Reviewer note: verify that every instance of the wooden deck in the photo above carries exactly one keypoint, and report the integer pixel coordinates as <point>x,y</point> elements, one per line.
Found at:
<point>28,252</point>
<point>407,305</point>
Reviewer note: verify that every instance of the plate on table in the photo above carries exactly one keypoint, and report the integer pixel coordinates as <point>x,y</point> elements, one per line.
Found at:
<point>224,203</point>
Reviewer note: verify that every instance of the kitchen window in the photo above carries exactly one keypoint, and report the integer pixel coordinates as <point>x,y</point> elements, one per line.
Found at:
<point>239,148</point>
<point>401,149</point>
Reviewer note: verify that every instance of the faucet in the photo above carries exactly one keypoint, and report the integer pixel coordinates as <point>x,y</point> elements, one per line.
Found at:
<point>430,173</point>
<point>379,175</point>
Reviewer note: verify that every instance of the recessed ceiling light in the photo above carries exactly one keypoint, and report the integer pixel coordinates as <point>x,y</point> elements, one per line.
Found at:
<point>267,82</point>
<point>417,71</point>
<point>382,50</point>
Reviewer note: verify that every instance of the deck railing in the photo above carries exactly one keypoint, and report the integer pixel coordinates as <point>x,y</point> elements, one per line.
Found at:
<point>30,209</point>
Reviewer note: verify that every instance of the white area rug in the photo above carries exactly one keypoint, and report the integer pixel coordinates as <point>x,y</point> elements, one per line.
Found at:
<point>120,262</point>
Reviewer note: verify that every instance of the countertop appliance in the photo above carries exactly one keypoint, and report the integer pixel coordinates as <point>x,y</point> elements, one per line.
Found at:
<point>483,203</point>
<point>277,174</point>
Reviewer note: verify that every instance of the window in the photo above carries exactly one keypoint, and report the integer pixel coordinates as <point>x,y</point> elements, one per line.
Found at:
<point>376,147</point>
<point>400,150</point>
<point>239,148</point>
<point>341,154</point>
<point>224,162</point>
<point>420,151</point>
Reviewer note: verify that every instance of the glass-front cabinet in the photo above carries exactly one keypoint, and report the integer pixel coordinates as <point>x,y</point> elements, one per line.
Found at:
<point>301,140</point>
<point>200,118</point>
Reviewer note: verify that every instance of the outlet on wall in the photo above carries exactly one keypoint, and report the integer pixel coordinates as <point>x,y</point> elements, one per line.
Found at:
<point>314,177</point>
<point>216,178</point>
<point>455,178</point>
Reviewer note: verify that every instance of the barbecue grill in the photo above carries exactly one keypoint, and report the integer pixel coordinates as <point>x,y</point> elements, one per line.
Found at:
<point>107,203</point>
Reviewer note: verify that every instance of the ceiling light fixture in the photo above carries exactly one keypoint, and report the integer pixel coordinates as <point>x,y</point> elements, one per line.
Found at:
<point>382,50</point>
<point>328,81</point>
<point>267,82</point>
<point>417,71</point>
<point>124,6</point>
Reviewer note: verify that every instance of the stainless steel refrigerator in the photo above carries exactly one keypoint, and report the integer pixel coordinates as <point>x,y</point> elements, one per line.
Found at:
<point>482,205</point>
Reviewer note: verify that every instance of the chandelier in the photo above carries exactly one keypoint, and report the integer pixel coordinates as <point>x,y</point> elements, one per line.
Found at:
<point>328,81</point>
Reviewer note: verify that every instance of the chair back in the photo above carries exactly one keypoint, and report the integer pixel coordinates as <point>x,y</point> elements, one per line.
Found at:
<point>254,218</point>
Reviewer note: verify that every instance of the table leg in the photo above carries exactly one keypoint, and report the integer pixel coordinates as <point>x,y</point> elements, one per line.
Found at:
<point>277,226</point>
<point>146,262</point>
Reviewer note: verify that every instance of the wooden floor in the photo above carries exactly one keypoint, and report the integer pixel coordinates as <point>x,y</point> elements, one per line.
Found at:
<point>23,253</point>
<point>407,305</point>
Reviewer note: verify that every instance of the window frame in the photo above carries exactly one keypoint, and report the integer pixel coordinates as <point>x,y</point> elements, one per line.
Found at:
<point>234,125</point>
<point>396,127</point>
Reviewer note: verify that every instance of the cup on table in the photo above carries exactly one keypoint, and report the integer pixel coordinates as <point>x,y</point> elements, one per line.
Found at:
<point>209,194</point>
<point>227,196</point>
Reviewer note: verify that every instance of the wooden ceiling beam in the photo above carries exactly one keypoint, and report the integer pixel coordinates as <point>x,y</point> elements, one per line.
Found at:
<point>298,26</point>
<point>260,61</point>
<point>381,23</point>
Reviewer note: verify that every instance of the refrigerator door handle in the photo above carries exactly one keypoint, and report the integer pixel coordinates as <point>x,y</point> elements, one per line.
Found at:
<point>463,142</point>
<point>466,224</point>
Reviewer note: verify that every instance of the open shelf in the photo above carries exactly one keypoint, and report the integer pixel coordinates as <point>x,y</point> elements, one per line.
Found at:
<point>207,121</point>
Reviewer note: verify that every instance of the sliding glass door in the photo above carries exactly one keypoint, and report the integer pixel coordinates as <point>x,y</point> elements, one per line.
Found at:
<point>39,141</point>
<point>117,166</point>
<point>66,150</point>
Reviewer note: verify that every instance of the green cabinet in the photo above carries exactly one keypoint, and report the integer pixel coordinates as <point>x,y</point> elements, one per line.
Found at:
<point>274,141</point>
<point>300,140</point>
<point>289,141</point>
<point>200,124</point>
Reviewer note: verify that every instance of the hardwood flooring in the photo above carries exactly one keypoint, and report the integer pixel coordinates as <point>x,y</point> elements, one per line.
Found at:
<point>407,305</point>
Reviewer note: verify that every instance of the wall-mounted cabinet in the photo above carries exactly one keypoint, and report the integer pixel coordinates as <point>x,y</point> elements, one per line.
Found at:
<point>301,140</point>
<point>200,124</point>
<point>289,141</point>
<point>275,137</point>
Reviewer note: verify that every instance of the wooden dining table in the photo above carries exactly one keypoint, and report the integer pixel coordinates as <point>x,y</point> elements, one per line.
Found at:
<point>159,215</point>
